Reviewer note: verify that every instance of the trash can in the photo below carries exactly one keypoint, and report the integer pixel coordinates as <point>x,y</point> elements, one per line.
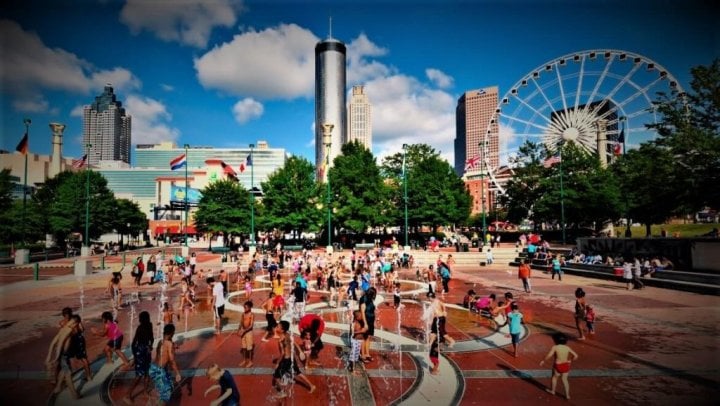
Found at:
<point>465,247</point>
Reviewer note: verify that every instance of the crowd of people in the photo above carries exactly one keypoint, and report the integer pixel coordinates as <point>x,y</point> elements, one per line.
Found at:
<point>367,273</point>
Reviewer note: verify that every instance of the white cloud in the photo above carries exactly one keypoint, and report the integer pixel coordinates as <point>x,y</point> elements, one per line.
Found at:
<point>405,110</point>
<point>77,111</point>
<point>188,22</point>
<point>150,121</point>
<point>276,63</point>
<point>166,87</point>
<point>439,78</point>
<point>29,67</point>
<point>247,109</point>
<point>36,104</point>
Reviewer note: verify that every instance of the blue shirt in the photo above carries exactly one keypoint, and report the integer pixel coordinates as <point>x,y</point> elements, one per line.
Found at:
<point>532,248</point>
<point>227,382</point>
<point>515,319</point>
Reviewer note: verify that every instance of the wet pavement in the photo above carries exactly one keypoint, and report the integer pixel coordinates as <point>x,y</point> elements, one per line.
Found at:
<point>652,346</point>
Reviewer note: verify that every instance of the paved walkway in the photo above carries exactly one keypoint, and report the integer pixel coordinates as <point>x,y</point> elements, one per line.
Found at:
<point>650,348</point>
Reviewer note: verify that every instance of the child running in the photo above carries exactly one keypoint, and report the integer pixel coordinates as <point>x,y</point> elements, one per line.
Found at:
<point>115,338</point>
<point>286,367</point>
<point>590,318</point>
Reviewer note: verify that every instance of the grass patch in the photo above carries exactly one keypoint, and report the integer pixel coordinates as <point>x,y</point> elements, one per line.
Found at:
<point>684,230</point>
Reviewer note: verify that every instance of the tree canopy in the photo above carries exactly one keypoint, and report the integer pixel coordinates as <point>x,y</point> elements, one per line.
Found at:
<point>224,207</point>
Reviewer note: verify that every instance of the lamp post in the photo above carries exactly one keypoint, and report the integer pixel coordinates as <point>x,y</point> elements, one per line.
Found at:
<point>327,141</point>
<point>187,162</point>
<point>482,146</point>
<point>562,195</point>
<point>87,198</point>
<point>27,123</point>
<point>405,196</point>
<point>252,199</point>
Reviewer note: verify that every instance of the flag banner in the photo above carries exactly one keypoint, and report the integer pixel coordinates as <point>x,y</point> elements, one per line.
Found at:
<point>229,171</point>
<point>22,147</point>
<point>79,163</point>
<point>242,167</point>
<point>621,137</point>
<point>617,149</point>
<point>248,160</point>
<point>551,161</point>
<point>178,162</point>
<point>472,163</point>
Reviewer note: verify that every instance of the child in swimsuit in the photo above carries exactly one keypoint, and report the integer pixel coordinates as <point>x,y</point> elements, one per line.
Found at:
<point>563,355</point>
<point>115,338</point>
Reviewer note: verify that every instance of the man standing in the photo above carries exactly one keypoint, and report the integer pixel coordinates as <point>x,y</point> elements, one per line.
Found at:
<point>218,303</point>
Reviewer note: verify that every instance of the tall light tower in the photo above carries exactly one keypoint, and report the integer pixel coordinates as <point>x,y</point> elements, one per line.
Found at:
<point>252,200</point>
<point>405,196</point>
<point>327,142</point>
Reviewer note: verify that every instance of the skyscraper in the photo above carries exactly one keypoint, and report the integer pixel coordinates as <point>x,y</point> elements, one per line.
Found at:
<point>472,122</point>
<point>329,98</point>
<point>360,118</point>
<point>107,128</point>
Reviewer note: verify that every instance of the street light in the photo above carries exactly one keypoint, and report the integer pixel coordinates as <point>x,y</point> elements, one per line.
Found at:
<point>87,198</point>
<point>562,194</point>
<point>252,199</point>
<point>405,196</point>
<point>27,123</point>
<point>187,161</point>
<point>327,141</point>
<point>482,146</point>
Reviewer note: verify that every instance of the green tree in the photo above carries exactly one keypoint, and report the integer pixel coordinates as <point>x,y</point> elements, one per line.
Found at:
<point>689,129</point>
<point>290,197</point>
<point>129,219</point>
<point>224,208</point>
<point>359,194</point>
<point>646,177</point>
<point>66,211</point>
<point>6,190</point>
<point>524,189</point>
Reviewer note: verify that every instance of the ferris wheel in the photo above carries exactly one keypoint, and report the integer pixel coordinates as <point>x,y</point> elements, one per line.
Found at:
<point>565,99</point>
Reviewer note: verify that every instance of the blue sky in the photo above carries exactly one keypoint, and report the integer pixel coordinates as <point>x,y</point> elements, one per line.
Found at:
<point>228,73</point>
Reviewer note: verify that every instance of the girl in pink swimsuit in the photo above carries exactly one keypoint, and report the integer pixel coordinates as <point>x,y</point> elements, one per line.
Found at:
<point>115,338</point>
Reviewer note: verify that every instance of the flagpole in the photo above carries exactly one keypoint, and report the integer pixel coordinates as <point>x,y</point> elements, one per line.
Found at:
<point>27,123</point>
<point>252,198</point>
<point>562,198</point>
<point>187,162</point>
<point>87,196</point>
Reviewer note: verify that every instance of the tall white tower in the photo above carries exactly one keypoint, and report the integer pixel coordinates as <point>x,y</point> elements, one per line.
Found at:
<point>360,117</point>
<point>329,97</point>
<point>57,142</point>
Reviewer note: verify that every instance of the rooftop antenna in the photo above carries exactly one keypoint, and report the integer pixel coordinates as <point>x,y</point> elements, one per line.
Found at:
<point>330,32</point>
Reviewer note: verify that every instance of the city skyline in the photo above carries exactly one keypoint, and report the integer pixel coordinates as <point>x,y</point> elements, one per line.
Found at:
<point>240,72</point>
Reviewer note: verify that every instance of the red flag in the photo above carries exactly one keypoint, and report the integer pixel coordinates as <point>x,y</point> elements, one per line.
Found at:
<point>22,147</point>
<point>229,171</point>
<point>79,163</point>
<point>472,162</point>
<point>242,168</point>
<point>551,161</point>
<point>617,149</point>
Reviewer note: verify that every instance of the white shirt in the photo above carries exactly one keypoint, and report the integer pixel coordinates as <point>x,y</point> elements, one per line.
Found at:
<point>218,294</point>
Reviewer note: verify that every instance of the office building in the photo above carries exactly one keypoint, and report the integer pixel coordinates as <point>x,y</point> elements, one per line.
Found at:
<point>360,117</point>
<point>329,98</point>
<point>107,128</point>
<point>473,117</point>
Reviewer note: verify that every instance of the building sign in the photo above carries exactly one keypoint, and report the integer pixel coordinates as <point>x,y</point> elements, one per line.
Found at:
<point>177,194</point>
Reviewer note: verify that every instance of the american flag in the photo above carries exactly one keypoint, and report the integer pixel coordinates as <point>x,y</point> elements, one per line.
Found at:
<point>79,163</point>
<point>472,163</point>
<point>555,159</point>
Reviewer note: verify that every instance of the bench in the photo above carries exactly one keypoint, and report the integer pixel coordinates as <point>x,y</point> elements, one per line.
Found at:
<point>364,246</point>
<point>219,250</point>
<point>693,282</point>
<point>293,248</point>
